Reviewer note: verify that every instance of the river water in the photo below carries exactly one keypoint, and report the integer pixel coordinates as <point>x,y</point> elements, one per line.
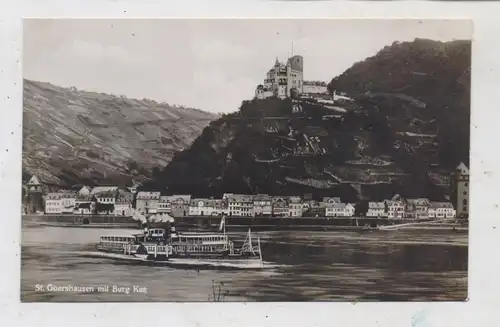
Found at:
<point>312,266</point>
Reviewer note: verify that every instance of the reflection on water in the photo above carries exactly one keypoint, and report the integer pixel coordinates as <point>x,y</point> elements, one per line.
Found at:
<point>314,266</point>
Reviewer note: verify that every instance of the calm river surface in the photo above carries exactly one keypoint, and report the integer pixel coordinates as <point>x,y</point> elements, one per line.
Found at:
<point>313,266</point>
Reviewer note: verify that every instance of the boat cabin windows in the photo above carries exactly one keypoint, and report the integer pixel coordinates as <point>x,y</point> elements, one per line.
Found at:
<point>117,239</point>
<point>156,232</point>
<point>202,239</point>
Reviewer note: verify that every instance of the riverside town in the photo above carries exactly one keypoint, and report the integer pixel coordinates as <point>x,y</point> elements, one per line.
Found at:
<point>123,202</point>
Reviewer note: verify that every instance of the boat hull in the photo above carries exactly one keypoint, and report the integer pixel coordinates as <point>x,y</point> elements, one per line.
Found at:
<point>233,262</point>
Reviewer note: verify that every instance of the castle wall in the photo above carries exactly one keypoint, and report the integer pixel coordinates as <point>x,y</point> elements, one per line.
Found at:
<point>315,89</point>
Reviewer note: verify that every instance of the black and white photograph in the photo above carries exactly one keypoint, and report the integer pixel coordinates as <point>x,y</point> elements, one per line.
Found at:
<point>245,160</point>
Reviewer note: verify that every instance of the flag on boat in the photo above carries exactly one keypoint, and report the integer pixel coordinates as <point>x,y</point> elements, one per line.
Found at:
<point>222,223</point>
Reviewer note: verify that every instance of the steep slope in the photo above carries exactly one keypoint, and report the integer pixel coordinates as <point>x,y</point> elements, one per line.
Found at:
<point>72,136</point>
<point>405,132</point>
<point>432,79</point>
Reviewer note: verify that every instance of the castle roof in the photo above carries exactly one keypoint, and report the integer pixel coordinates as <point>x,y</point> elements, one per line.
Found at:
<point>463,168</point>
<point>295,62</point>
<point>34,181</point>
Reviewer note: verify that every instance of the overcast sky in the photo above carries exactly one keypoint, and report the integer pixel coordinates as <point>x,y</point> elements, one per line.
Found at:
<point>207,64</point>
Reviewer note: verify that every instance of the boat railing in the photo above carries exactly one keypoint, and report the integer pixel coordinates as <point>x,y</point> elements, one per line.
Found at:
<point>222,242</point>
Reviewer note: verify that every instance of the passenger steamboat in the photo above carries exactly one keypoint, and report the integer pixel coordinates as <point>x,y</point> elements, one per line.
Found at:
<point>213,249</point>
<point>150,245</point>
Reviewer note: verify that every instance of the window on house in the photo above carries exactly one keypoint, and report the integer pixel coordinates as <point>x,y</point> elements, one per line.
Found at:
<point>465,202</point>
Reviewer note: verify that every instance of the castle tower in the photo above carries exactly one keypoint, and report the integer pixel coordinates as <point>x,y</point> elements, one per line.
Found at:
<point>34,199</point>
<point>460,190</point>
<point>295,74</point>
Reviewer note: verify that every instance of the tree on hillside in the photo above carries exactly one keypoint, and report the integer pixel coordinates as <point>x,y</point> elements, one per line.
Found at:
<point>361,208</point>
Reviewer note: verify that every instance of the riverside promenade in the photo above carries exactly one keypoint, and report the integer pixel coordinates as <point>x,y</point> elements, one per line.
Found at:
<point>256,223</point>
<point>87,221</point>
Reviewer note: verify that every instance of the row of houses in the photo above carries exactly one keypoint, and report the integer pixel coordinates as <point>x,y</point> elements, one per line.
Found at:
<point>421,208</point>
<point>98,200</point>
<point>115,201</point>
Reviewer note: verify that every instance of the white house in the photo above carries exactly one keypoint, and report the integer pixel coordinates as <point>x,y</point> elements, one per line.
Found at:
<point>339,210</point>
<point>53,203</point>
<point>106,198</point>
<point>147,202</point>
<point>280,206</point>
<point>441,210</point>
<point>179,205</point>
<point>202,207</point>
<point>395,208</point>
<point>262,205</point>
<point>220,207</point>
<point>60,202</point>
<point>376,209</point>
<point>294,206</point>
<point>239,205</point>
<point>68,200</point>
<point>417,208</point>
<point>165,204</point>
<point>123,204</point>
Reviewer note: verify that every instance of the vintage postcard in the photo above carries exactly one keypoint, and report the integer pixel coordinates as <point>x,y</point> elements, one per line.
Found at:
<point>212,160</point>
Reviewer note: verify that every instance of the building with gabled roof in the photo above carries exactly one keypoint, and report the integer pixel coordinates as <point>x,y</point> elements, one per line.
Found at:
<point>123,203</point>
<point>441,210</point>
<point>262,205</point>
<point>178,204</point>
<point>147,202</point>
<point>280,206</point>
<point>239,205</point>
<point>376,209</point>
<point>339,210</point>
<point>417,208</point>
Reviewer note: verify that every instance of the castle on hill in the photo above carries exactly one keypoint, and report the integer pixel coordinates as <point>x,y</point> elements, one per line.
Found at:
<point>282,79</point>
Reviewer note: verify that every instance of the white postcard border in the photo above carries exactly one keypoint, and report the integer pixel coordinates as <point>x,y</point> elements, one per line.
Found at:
<point>484,286</point>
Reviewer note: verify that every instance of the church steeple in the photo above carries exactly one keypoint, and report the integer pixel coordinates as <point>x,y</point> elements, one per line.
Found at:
<point>277,63</point>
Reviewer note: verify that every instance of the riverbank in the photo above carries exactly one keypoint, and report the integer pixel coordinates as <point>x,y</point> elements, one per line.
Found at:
<point>254,223</point>
<point>85,221</point>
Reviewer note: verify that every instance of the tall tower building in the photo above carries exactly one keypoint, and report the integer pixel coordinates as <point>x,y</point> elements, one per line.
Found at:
<point>295,74</point>
<point>460,190</point>
<point>34,199</point>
